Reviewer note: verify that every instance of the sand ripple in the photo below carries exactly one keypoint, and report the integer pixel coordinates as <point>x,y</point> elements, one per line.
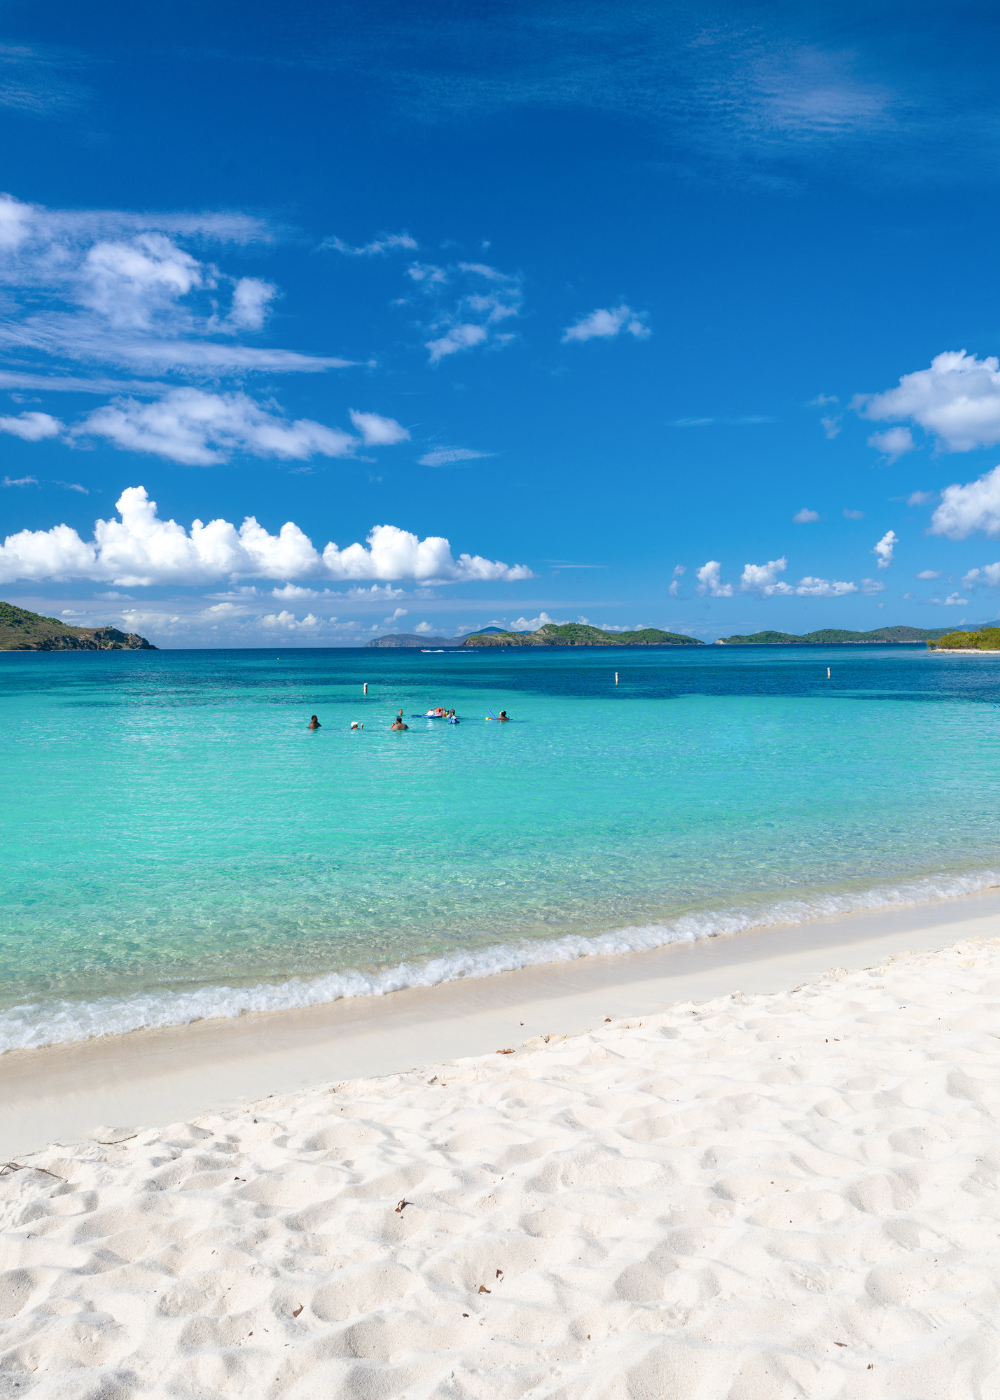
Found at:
<point>772,1196</point>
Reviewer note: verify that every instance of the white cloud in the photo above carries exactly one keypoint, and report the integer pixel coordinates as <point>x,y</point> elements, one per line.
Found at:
<point>821,400</point>
<point>117,288</point>
<point>141,549</point>
<point>287,622</point>
<point>957,400</point>
<point>382,244</point>
<point>251,298</point>
<point>763,578</point>
<point>965,509</point>
<point>20,481</point>
<point>474,317</point>
<point>427,272</point>
<point>868,586</point>
<point>446,456</point>
<point>531,624</point>
<point>399,612</point>
<point>462,337</point>
<point>423,628</point>
<point>893,443</point>
<point>679,571</point>
<point>32,427</point>
<point>853,514</point>
<point>606,323</point>
<point>805,516</point>
<point>809,587</point>
<point>885,547</point>
<point>935,573</point>
<point>954,601</point>
<point>920,498</point>
<point>377,431</point>
<point>709,578</point>
<point>73,486</point>
<point>831,425</point>
<point>988,576</point>
<point>199,429</point>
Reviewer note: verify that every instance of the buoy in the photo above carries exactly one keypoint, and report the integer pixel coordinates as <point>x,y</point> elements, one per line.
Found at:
<point>366,688</point>
<point>828,673</point>
<point>616,678</point>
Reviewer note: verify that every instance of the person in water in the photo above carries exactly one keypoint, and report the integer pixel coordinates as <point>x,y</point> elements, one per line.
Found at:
<point>314,723</point>
<point>453,718</point>
<point>503,717</point>
<point>356,725</point>
<point>399,717</point>
<point>439,713</point>
<point>398,722</point>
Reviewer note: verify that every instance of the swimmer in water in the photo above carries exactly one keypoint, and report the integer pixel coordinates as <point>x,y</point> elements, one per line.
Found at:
<point>453,718</point>
<point>503,717</point>
<point>314,723</point>
<point>356,725</point>
<point>398,722</point>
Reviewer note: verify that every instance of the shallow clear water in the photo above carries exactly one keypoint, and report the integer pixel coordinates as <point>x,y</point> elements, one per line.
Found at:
<point>177,843</point>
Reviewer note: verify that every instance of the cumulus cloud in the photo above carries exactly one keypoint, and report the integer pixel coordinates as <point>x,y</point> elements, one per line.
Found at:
<point>885,547</point>
<point>936,573</point>
<point>957,400</point>
<point>383,244</point>
<point>532,624</point>
<point>853,514</point>
<point>448,456</point>
<point>377,431</point>
<point>140,549</point>
<point>966,509</point>
<point>423,628</point>
<point>831,425</point>
<point>919,498</point>
<point>893,443</point>
<point>679,571</point>
<point>868,586</point>
<point>987,577</point>
<point>32,427</point>
<point>805,516</point>
<point>605,323</point>
<point>763,580</point>
<point>709,578</point>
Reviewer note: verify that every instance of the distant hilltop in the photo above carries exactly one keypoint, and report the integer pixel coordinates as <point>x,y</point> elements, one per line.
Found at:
<point>836,634</point>
<point>571,634</point>
<point>413,639</point>
<point>21,630</point>
<point>579,634</point>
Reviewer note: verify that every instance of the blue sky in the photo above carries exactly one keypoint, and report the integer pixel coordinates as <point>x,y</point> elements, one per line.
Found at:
<point>649,315</point>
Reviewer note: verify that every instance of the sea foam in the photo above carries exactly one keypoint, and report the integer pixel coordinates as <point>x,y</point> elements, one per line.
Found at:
<point>33,1024</point>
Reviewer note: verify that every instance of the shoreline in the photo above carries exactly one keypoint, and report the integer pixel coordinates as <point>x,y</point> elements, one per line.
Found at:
<point>152,1077</point>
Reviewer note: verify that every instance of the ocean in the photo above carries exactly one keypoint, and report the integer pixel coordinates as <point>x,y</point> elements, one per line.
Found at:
<point>177,844</point>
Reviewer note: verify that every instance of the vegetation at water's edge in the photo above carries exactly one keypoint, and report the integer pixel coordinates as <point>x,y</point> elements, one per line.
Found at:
<point>21,630</point>
<point>579,634</point>
<point>837,634</point>
<point>983,639</point>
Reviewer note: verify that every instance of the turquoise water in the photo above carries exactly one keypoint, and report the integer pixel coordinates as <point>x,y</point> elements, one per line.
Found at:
<point>176,843</point>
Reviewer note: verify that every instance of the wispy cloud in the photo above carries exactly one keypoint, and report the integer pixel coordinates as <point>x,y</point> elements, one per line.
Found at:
<point>606,324</point>
<point>385,243</point>
<point>487,298</point>
<point>450,456</point>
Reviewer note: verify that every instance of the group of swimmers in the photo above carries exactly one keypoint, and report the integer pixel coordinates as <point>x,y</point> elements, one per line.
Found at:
<point>439,713</point>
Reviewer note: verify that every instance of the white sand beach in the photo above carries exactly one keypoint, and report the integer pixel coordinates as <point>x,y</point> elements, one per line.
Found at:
<point>782,1194</point>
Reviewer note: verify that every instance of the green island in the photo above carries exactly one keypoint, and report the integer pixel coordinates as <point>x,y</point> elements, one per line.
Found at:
<point>579,634</point>
<point>21,630</point>
<point>983,639</point>
<point>837,634</point>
